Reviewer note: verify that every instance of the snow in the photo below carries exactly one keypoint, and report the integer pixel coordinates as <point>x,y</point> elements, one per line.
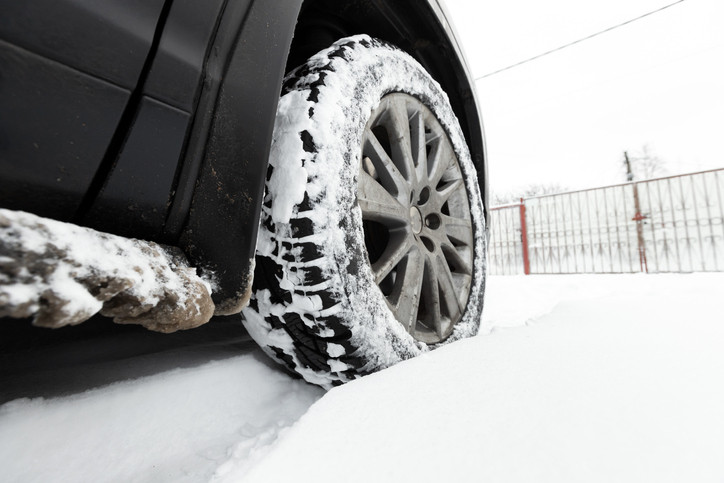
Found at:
<point>573,378</point>
<point>179,426</point>
<point>62,274</point>
<point>612,378</point>
<point>288,182</point>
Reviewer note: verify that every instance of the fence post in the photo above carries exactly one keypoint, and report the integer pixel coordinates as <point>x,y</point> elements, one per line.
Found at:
<point>639,219</point>
<point>524,237</point>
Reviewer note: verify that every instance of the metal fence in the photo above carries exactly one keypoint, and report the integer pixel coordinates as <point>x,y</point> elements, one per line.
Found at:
<point>673,224</point>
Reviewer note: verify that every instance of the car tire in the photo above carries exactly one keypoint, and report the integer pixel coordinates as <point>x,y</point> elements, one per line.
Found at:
<point>371,247</point>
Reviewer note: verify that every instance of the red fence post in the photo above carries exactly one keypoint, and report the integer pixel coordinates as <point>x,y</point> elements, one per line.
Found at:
<point>639,219</point>
<point>524,237</point>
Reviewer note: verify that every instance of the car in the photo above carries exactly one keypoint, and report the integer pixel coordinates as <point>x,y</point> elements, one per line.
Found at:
<point>322,162</point>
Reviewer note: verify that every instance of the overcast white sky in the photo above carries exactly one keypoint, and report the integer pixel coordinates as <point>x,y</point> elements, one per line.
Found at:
<point>568,117</point>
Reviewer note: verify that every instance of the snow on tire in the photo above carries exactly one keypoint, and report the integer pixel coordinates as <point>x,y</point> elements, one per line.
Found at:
<point>371,247</point>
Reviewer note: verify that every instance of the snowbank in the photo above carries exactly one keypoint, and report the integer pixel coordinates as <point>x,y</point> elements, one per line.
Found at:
<point>174,427</point>
<point>620,381</point>
<point>577,378</point>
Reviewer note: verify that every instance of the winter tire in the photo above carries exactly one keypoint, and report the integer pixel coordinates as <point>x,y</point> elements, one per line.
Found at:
<point>371,248</point>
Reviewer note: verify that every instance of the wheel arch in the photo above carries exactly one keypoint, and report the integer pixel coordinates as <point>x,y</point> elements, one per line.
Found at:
<point>215,212</point>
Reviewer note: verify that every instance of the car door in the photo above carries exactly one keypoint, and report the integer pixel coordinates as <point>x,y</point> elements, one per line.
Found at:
<point>68,69</point>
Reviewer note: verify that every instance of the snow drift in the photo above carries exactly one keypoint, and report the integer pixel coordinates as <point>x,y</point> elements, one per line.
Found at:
<point>573,378</point>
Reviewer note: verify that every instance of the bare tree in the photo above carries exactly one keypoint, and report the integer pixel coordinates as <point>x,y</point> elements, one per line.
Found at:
<point>645,164</point>
<point>497,199</point>
<point>540,189</point>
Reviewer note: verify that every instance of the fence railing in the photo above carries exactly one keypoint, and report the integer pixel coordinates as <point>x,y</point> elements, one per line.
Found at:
<point>672,224</point>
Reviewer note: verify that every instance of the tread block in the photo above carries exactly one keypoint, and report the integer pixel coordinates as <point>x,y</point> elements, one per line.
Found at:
<point>307,142</point>
<point>298,330</point>
<point>341,331</point>
<point>311,275</point>
<point>311,359</point>
<point>328,301</point>
<point>309,252</point>
<point>301,227</point>
<point>285,358</point>
<point>305,205</point>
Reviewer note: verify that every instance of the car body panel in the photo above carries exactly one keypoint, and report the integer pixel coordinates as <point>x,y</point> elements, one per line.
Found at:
<point>55,125</point>
<point>178,64</point>
<point>108,39</point>
<point>67,72</point>
<point>139,187</point>
<point>134,198</point>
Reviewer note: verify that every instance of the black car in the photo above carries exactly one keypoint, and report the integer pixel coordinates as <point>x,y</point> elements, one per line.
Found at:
<point>345,218</point>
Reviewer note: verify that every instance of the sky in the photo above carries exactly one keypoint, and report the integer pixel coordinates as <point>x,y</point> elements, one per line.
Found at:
<point>568,117</point>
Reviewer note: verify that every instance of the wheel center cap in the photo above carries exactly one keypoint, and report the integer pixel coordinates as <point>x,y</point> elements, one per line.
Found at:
<point>415,220</point>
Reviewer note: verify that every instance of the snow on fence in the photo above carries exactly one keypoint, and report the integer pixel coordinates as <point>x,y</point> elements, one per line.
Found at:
<point>672,224</point>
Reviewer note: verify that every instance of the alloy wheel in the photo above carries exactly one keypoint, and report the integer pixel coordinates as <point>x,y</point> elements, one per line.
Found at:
<point>417,222</point>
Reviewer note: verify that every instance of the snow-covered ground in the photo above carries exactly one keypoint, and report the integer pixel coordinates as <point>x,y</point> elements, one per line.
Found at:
<point>574,378</point>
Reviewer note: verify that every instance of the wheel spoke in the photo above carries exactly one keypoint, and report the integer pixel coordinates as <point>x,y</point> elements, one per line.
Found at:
<point>457,261</point>
<point>419,145</point>
<point>399,131</point>
<point>432,297</point>
<point>448,190</point>
<point>447,288</point>
<point>450,221</point>
<point>458,230</point>
<point>390,176</point>
<point>377,204</point>
<point>441,157</point>
<point>410,285</point>
<point>393,255</point>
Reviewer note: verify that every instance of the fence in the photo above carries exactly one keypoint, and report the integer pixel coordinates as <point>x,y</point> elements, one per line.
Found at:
<point>673,224</point>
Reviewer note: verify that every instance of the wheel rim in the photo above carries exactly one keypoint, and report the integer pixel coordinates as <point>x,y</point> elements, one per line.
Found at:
<point>416,217</point>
